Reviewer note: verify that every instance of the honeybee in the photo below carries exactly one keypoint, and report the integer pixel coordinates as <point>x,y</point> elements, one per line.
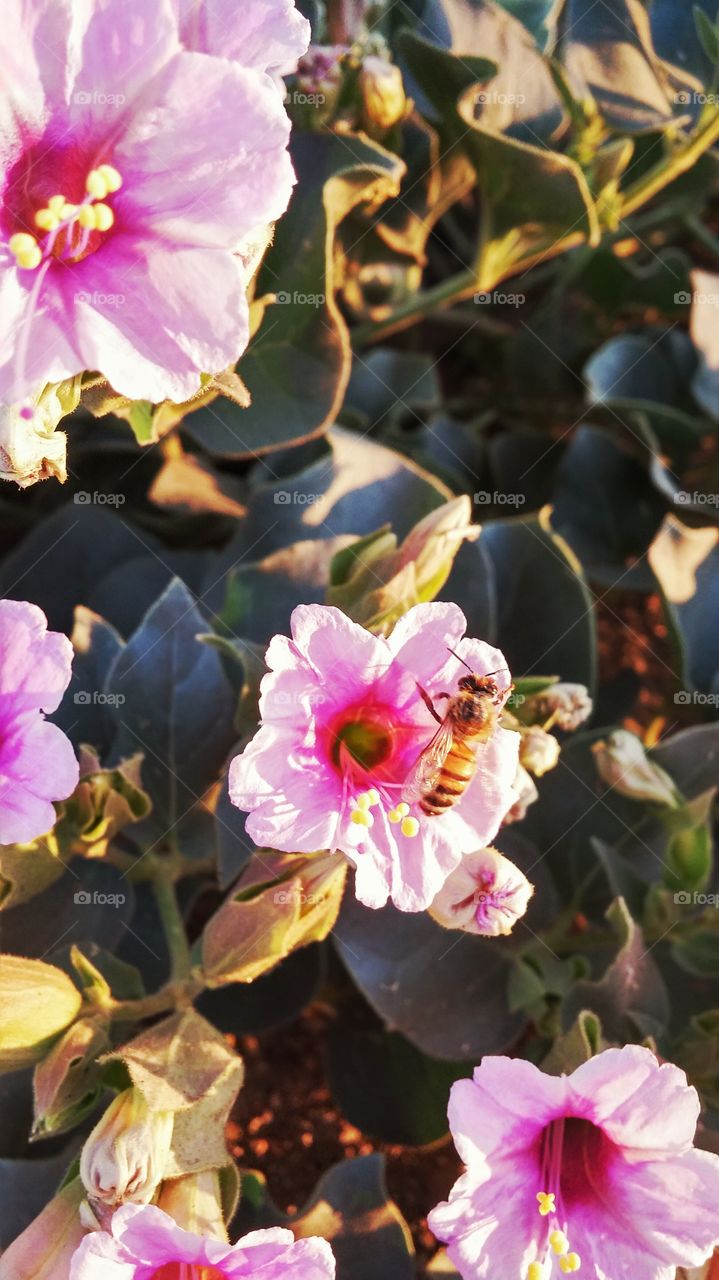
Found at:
<point>446,766</point>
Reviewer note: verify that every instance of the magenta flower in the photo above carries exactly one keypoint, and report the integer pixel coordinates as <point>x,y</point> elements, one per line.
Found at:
<point>270,35</point>
<point>132,171</point>
<point>145,1244</point>
<point>343,722</point>
<point>37,762</point>
<point>595,1171</point>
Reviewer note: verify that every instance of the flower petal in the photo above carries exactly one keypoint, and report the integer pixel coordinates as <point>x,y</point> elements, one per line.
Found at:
<point>491,1226</point>
<point>35,664</point>
<point>636,1101</point>
<point>504,1107</point>
<point>268,34</point>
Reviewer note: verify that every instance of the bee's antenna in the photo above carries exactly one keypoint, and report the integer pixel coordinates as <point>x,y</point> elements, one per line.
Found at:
<point>456,655</point>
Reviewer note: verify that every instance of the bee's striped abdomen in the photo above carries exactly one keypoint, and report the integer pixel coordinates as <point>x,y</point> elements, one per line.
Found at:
<point>457,773</point>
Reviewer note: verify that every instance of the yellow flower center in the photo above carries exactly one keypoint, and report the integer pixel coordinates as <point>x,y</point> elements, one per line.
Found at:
<point>68,223</point>
<point>557,1243</point>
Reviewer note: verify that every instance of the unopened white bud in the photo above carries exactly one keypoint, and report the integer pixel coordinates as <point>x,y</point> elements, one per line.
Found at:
<point>623,764</point>
<point>525,792</point>
<point>125,1156</point>
<point>538,751</point>
<point>568,705</point>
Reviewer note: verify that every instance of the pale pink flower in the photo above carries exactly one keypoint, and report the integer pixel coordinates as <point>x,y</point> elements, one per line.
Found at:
<point>270,35</point>
<point>37,762</point>
<point>594,1172</point>
<point>486,894</point>
<point>132,170</point>
<point>343,722</point>
<point>145,1244</point>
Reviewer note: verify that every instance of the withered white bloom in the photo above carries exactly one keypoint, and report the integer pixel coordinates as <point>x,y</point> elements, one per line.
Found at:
<point>538,751</point>
<point>30,447</point>
<point>125,1157</point>
<point>486,894</point>
<point>624,765</point>
<point>568,705</point>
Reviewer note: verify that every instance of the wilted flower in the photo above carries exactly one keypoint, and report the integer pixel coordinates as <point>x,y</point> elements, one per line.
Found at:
<point>269,35</point>
<point>30,447</point>
<point>595,1170</point>
<point>145,1244</point>
<point>132,170</point>
<point>567,705</point>
<point>37,762</point>
<point>485,894</point>
<point>526,793</point>
<point>383,97</point>
<point>624,765</point>
<point>343,723</point>
<point>538,751</point>
<point>126,1154</point>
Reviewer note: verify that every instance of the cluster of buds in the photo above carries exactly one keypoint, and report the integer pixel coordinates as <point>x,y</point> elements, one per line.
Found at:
<point>486,895</point>
<point>354,86</point>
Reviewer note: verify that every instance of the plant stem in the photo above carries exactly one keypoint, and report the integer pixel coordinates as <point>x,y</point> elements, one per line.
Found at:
<point>460,286</point>
<point>166,897</point>
<point>671,167</point>
<point>703,234</point>
<point>165,1001</point>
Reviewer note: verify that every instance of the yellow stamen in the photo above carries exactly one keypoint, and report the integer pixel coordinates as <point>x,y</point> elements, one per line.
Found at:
<point>86,216</point>
<point>410,827</point>
<point>558,1241</point>
<point>374,796</point>
<point>68,211</point>
<point>572,1262</point>
<point>535,1271</point>
<point>30,259</point>
<point>104,217</point>
<point>21,242</point>
<point>56,204</point>
<point>546,1203</point>
<point>46,220</point>
<point>363,801</point>
<point>361,817</point>
<point>96,185</point>
<point>113,179</point>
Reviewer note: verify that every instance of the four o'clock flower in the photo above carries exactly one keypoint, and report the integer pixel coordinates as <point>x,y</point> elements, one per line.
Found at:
<point>37,762</point>
<point>145,1244</point>
<point>343,723</point>
<point>594,1172</point>
<point>132,171</point>
<point>270,35</point>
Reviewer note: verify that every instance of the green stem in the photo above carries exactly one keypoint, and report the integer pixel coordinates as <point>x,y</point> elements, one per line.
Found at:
<point>166,897</point>
<point>420,306</point>
<point>165,1001</point>
<point>671,167</point>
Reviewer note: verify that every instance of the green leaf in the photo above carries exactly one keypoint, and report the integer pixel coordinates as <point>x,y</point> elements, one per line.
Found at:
<point>583,1040</point>
<point>297,365</point>
<point>173,704</point>
<point>698,953</point>
<point>707,32</point>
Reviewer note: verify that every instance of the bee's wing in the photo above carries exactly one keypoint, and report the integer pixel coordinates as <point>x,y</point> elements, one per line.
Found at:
<point>428,766</point>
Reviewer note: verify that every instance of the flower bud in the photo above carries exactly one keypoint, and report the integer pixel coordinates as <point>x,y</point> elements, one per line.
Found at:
<point>567,705</point>
<point>623,764</point>
<point>30,448</point>
<point>45,1249</point>
<point>526,794</point>
<point>383,98</point>
<point>486,894</point>
<point>538,751</point>
<point>37,1003</point>
<point>195,1203</point>
<point>126,1154</point>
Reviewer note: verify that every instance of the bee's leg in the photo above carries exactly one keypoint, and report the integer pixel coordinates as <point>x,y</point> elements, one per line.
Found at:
<point>429,703</point>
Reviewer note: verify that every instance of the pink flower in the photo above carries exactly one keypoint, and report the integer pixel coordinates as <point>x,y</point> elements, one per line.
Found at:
<point>343,722</point>
<point>267,34</point>
<point>37,762</point>
<point>486,894</point>
<point>132,170</point>
<point>595,1170</point>
<point>145,1244</point>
